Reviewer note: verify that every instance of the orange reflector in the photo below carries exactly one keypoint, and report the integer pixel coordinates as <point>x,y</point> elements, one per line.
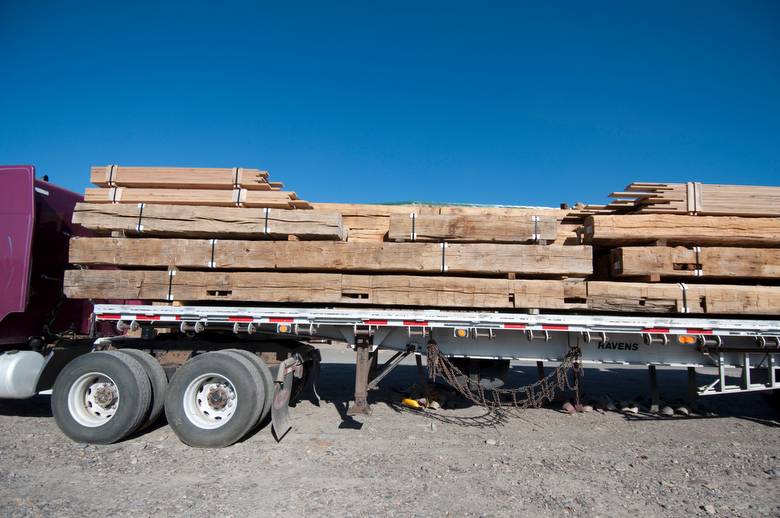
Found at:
<point>686,339</point>
<point>282,328</point>
<point>461,333</point>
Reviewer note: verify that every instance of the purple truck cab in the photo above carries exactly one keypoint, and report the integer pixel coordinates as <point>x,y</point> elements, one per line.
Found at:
<point>35,225</point>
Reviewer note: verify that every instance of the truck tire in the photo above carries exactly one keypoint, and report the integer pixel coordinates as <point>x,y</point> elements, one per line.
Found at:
<point>158,380</point>
<point>214,399</point>
<point>266,377</point>
<point>101,397</point>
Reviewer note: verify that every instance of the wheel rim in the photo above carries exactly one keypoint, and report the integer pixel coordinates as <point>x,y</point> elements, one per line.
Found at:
<point>210,401</point>
<point>93,399</point>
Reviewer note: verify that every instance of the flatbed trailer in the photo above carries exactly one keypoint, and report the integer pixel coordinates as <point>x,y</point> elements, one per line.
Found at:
<point>220,371</point>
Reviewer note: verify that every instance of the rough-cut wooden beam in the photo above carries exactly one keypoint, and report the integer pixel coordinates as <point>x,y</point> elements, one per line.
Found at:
<point>371,222</point>
<point>752,263</point>
<point>181,177</point>
<point>323,288</point>
<point>209,222</point>
<point>421,291</point>
<point>200,197</point>
<point>480,258</point>
<point>472,228</point>
<point>713,299</point>
<point>683,230</point>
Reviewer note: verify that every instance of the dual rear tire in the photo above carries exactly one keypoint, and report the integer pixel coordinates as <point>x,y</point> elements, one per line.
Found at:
<point>216,398</point>
<point>212,401</point>
<point>102,397</point>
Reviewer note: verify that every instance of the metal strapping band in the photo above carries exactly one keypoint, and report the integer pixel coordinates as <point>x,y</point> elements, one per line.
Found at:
<point>212,264</point>
<point>235,178</point>
<point>171,273</point>
<point>443,260</point>
<point>684,288</point>
<point>699,267</point>
<point>111,170</point>
<point>113,194</point>
<point>536,235</point>
<point>414,225</point>
<point>265,226</point>
<point>238,197</point>
<point>138,226</point>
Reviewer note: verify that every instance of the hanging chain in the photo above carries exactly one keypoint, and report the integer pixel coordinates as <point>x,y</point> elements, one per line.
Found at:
<point>530,396</point>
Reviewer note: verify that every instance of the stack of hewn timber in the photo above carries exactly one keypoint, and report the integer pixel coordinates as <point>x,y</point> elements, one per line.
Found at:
<point>690,247</point>
<point>383,255</point>
<point>226,187</point>
<point>693,198</point>
<point>608,259</point>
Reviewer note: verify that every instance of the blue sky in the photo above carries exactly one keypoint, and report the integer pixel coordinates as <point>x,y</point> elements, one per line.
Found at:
<point>481,102</point>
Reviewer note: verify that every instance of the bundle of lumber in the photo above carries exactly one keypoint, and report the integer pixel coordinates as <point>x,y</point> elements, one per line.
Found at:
<point>225,187</point>
<point>691,232</point>
<point>156,242</point>
<point>694,198</point>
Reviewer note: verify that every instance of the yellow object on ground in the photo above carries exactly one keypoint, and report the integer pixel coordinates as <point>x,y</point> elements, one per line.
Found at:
<point>411,403</point>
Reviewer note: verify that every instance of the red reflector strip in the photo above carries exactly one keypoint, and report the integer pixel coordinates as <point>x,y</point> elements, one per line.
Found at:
<point>108,317</point>
<point>375,322</point>
<point>415,323</point>
<point>240,319</point>
<point>656,330</point>
<point>555,328</point>
<point>699,331</point>
<point>514,326</point>
<point>281,320</point>
<point>147,317</point>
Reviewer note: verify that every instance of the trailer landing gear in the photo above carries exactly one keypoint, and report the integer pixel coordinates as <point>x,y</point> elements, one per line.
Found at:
<point>363,363</point>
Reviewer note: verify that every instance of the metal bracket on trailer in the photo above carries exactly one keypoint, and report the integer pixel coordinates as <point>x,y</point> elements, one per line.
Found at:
<point>768,374</point>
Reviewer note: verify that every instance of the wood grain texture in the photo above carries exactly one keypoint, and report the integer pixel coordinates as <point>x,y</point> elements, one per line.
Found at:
<point>683,230</point>
<point>695,198</point>
<point>477,258</point>
<point>209,222</point>
<point>181,177</point>
<point>367,222</point>
<point>722,262</point>
<point>422,291</point>
<point>637,297</point>
<point>471,228</point>
<point>320,288</point>
<point>199,197</point>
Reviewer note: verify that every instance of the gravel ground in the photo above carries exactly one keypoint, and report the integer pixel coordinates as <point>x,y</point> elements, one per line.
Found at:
<point>403,463</point>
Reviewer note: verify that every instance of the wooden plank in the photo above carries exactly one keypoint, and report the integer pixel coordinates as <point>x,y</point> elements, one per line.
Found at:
<point>421,291</point>
<point>702,199</point>
<point>471,228</point>
<point>367,222</point>
<point>637,297</point>
<point>475,258</point>
<point>738,199</point>
<point>200,197</point>
<point>682,230</point>
<point>209,222</point>
<point>724,262</point>
<point>181,177</point>
<point>319,288</point>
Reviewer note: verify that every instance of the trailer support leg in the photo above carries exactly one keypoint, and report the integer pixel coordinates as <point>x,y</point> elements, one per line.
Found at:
<point>655,396</point>
<point>362,367</point>
<point>423,381</point>
<point>540,370</point>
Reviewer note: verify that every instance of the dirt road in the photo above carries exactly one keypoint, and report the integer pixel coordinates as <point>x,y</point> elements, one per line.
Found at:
<point>400,463</point>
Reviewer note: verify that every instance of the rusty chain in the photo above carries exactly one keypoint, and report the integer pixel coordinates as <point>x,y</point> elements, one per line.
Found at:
<point>530,396</point>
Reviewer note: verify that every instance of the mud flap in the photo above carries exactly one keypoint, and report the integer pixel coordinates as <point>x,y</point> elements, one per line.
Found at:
<point>280,411</point>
